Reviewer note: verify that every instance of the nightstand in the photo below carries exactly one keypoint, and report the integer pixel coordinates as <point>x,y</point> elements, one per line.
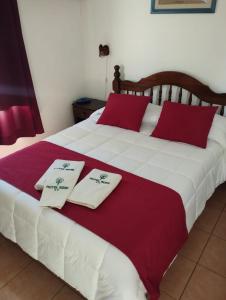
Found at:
<point>83,111</point>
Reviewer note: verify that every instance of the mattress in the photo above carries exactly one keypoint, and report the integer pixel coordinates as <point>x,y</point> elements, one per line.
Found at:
<point>88,263</point>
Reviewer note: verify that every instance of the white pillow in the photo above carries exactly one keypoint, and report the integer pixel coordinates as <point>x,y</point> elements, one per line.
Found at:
<point>96,114</point>
<point>150,119</point>
<point>218,130</point>
<point>152,114</point>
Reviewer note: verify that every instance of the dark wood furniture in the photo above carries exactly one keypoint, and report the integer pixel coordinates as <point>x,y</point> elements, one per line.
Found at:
<point>83,111</point>
<point>160,87</point>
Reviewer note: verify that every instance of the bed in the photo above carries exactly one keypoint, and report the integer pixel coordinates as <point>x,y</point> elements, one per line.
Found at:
<point>91,265</point>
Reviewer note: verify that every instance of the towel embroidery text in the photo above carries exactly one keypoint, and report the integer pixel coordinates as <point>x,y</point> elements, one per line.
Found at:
<point>57,187</point>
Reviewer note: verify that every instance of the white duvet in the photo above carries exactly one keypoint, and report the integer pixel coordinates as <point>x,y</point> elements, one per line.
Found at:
<point>88,263</point>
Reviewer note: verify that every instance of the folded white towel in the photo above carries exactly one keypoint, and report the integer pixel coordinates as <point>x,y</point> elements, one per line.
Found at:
<point>57,188</point>
<point>92,190</point>
<point>63,165</point>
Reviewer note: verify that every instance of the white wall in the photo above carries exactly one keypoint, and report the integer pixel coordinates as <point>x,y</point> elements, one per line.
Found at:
<point>52,35</point>
<point>62,44</point>
<point>145,43</point>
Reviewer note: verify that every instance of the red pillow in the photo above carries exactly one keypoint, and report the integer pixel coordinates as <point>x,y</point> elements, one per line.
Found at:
<point>184,123</point>
<point>125,111</point>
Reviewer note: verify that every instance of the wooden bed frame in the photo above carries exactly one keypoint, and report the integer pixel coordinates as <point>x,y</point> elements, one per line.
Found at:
<point>171,79</point>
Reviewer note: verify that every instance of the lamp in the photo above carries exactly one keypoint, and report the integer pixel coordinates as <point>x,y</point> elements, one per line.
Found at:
<point>104,50</point>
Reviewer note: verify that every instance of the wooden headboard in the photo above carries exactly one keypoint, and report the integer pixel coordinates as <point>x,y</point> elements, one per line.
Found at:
<point>169,85</point>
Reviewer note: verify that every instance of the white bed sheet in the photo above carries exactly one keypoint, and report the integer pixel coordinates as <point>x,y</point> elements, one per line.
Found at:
<point>88,263</point>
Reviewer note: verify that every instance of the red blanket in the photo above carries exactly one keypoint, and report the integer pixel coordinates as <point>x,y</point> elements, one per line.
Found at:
<point>143,219</point>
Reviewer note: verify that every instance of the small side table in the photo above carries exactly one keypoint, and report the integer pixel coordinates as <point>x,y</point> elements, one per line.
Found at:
<point>83,111</point>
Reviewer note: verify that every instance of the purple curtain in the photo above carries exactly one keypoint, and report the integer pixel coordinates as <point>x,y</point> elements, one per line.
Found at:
<point>19,113</point>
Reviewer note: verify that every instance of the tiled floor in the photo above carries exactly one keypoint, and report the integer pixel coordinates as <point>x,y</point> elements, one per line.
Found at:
<point>198,273</point>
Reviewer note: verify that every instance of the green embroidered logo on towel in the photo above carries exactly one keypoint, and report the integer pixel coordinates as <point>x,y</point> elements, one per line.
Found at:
<point>58,187</point>
<point>65,167</point>
<point>101,179</point>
